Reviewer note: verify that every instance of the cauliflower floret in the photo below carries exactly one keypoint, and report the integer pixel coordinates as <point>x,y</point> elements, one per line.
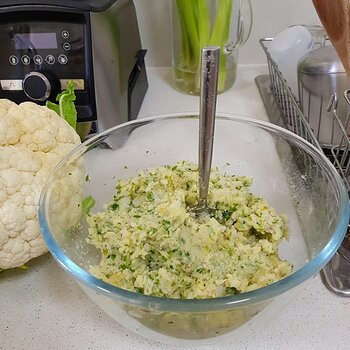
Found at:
<point>33,139</point>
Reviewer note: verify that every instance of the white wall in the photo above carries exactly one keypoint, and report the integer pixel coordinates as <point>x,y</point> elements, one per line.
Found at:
<point>269,17</point>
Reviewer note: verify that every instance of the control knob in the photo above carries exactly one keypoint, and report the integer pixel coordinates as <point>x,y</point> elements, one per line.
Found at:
<point>38,86</point>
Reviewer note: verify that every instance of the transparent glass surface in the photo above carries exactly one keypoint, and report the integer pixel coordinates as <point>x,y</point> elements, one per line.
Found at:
<point>196,24</point>
<point>288,172</point>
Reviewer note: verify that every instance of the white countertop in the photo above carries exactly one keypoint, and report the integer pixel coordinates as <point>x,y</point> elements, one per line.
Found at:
<point>43,308</point>
<point>243,98</point>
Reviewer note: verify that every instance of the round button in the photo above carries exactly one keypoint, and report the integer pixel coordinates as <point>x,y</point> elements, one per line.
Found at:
<point>50,59</point>
<point>38,59</point>
<point>62,59</point>
<point>66,46</point>
<point>13,60</point>
<point>36,86</point>
<point>65,34</point>
<point>25,60</point>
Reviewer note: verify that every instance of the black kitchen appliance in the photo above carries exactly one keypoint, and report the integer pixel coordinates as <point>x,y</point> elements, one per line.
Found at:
<point>96,44</point>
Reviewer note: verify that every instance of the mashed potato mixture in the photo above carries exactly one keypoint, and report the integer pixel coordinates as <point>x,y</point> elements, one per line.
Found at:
<point>153,243</point>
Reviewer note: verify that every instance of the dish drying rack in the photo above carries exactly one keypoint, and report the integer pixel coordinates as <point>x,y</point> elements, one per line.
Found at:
<point>335,275</point>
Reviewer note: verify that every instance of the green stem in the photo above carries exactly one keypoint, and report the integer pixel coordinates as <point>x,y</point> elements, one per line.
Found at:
<point>203,23</point>
<point>187,11</point>
<point>220,34</point>
<point>185,52</point>
<point>196,33</point>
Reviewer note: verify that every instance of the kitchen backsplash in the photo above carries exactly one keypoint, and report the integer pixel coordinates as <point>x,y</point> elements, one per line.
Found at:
<point>269,18</point>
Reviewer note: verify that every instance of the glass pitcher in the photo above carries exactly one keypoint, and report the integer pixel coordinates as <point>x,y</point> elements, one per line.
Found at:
<point>199,23</point>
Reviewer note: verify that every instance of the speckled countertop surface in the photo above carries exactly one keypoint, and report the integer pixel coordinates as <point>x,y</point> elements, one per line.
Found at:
<point>43,308</point>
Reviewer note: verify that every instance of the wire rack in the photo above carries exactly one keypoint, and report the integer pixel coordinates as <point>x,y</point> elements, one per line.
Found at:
<point>297,122</point>
<point>335,274</point>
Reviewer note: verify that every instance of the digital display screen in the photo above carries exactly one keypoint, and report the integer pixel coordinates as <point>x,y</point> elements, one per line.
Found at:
<point>26,41</point>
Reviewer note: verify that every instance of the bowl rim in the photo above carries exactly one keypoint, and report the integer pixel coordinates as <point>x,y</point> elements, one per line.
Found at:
<point>296,278</point>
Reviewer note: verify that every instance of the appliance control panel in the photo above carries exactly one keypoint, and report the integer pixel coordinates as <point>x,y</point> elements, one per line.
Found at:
<point>41,51</point>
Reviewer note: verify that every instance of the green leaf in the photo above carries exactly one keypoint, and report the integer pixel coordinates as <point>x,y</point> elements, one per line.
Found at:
<point>53,106</point>
<point>65,107</point>
<point>87,203</point>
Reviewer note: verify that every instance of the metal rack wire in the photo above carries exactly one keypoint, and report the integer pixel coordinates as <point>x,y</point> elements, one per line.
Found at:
<point>335,273</point>
<point>297,122</point>
<point>341,152</point>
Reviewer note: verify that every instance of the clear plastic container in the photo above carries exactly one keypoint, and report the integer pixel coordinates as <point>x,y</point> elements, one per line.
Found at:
<point>287,48</point>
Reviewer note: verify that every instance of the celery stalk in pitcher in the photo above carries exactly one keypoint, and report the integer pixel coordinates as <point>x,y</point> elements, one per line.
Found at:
<point>201,26</point>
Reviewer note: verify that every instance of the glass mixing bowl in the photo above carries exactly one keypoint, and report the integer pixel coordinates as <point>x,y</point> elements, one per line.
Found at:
<point>295,178</point>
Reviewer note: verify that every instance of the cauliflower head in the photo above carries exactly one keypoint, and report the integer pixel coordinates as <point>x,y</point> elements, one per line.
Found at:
<point>33,140</point>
